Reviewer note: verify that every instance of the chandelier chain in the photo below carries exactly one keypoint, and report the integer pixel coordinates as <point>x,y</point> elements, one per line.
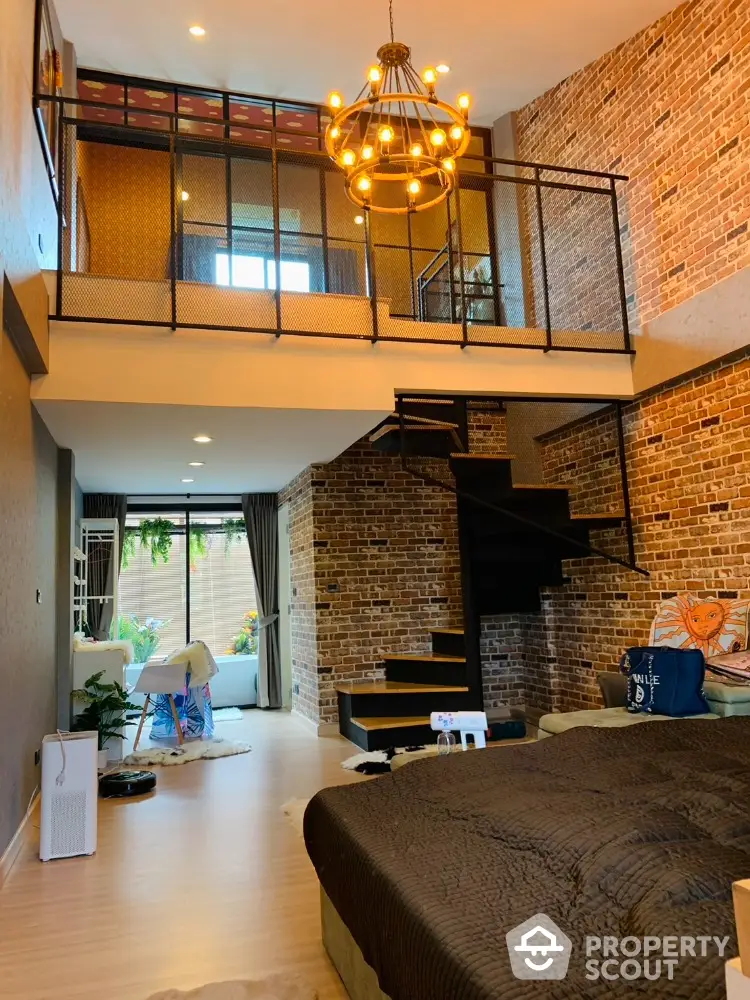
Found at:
<point>390,15</point>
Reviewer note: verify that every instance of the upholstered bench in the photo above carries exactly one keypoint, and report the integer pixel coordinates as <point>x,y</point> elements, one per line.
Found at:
<point>607,718</point>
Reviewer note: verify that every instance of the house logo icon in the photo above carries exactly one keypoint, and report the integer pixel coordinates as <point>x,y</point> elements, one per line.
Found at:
<point>538,949</point>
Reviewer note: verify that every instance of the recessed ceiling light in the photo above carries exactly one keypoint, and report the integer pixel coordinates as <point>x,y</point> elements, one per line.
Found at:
<point>187,480</point>
<point>197,32</point>
<point>202,439</point>
<point>185,196</point>
<point>443,68</point>
<point>196,465</point>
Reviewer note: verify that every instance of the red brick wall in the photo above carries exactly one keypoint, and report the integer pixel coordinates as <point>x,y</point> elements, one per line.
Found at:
<point>689,473</point>
<point>374,565</point>
<point>302,622</point>
<point>669,108</point>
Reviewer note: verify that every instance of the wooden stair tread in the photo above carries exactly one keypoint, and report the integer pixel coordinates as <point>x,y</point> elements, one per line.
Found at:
<point>390,428</point>
<point>391,722</point>
<point>598,517</point>
<point>468,454</point>
<point>427,657</point>
<point>541,486</point>
<point>395,687</point>
<point>448,631</point>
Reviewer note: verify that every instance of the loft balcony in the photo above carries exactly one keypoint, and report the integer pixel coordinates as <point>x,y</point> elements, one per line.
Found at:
<point>183,209</point>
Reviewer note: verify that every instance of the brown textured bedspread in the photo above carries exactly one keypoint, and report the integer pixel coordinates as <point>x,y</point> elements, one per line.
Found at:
<point>637,831</point>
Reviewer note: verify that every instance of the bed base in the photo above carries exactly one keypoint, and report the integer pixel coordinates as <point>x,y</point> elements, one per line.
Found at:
<point>357,976</point>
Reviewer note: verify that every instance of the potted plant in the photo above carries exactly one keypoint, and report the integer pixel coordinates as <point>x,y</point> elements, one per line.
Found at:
<point>247,640</point>
<point>144,635</point>
<point>106,705</point>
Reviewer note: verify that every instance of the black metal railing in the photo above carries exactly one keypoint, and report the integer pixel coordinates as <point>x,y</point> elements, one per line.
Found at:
<point>164,226</point>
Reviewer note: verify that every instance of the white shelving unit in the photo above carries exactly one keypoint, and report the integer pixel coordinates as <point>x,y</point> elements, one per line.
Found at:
<point>96,534</point>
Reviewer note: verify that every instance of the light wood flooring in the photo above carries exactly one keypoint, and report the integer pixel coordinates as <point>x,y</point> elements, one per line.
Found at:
<point>205,880</point>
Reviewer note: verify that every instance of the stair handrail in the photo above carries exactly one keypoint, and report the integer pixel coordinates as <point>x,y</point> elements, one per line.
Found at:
<point>519,518</point>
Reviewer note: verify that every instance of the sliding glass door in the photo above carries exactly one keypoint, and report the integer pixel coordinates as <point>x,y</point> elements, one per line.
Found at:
<point>187,575</point>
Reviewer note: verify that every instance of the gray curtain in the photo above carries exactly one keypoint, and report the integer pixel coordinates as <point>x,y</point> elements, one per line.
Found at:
<point>262,523</point>
<point>343,272</point>
<point>103,563</point>
<point>199,258</point>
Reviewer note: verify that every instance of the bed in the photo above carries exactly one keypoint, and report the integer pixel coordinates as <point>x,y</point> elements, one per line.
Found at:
<point>637,831</point>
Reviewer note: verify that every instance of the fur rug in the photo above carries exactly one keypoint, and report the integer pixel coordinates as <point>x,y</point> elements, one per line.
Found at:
<point>376,761</point>
<point>273,988</point>
<point>195,750</point>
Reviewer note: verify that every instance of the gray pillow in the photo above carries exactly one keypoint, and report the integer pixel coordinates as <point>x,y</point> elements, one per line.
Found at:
<point>614,688</point>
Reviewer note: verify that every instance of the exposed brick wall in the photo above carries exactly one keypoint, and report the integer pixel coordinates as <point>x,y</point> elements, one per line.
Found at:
<point>669,108</point>
<point>374,565</point>
<point>386,566</point>
<point>302,621</point>
<point>689,470</point>
<point>502,649</point>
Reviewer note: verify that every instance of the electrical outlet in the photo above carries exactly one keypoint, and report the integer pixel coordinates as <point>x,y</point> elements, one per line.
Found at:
<point>295,688</point>
<point>37,758</point>
<point>38,597</point>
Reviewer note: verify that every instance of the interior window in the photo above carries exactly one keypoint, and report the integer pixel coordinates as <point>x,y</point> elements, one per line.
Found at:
<point>255,271</point>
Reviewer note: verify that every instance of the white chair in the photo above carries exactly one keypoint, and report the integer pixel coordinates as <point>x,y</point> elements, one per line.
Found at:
<point>160,678</point>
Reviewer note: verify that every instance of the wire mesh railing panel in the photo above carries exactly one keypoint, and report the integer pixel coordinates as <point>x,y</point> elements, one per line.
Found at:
<point>190,229</point>
<point>392,266</point>
<point>118,230</point>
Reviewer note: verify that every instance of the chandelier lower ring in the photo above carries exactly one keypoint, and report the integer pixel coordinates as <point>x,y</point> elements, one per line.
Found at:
<point>433,168</point>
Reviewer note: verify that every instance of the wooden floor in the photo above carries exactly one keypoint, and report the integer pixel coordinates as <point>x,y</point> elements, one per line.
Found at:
<point>205,880</point>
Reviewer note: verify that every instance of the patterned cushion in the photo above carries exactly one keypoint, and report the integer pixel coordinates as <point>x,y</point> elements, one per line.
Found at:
<point>713,626</point>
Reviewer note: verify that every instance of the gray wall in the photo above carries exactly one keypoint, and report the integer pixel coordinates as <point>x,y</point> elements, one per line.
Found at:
<point>28,530</point>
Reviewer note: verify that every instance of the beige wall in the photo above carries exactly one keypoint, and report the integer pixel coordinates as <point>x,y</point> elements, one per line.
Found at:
<point>27,211</point>
<point>28,468</point>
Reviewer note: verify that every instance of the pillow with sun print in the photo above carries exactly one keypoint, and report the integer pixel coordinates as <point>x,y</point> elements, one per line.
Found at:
<point>714,626</point>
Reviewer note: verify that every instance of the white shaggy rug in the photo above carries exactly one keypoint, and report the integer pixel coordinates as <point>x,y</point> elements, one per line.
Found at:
<point>195,750</point>
<point>294,810</point>
<point>272,988</point>
<point>227,715</point>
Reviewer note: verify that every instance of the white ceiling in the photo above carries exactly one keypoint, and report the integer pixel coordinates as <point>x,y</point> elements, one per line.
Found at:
<point>136,448</point>
<point>504,52</point>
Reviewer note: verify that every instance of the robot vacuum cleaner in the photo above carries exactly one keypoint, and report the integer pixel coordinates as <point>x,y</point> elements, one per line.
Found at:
<point>125,784</point>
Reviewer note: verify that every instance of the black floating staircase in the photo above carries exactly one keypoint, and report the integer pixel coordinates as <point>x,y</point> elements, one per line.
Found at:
<point>513,538</point>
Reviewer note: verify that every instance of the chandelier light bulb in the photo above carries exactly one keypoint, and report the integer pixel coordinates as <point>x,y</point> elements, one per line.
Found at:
<point>367,152</point>
<point>386,134</point>
<point>374,74</point>
<point>359,220</point>
<point>348,158</point>
<point>449,164</point>
<point>364,184</point>
<point>335,100</point>
<point>464,102</point>
<point>414,187</point>
<point>335,132</point>
<point>429,76</point>
<point>457,133</point>
<point>437,137</point>
<point>415,150</point>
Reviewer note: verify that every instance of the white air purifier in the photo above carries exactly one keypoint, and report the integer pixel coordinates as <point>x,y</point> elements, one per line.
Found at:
<point>69,795</point>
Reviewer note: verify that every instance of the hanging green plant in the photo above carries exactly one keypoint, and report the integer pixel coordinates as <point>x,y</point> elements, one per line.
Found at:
<point>128,546</point>
<point>198,545</point>
<point>156,534</point>
<point>234,530</point>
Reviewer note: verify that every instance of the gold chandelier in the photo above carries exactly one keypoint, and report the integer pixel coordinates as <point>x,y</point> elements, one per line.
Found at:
<point>397,143</point>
